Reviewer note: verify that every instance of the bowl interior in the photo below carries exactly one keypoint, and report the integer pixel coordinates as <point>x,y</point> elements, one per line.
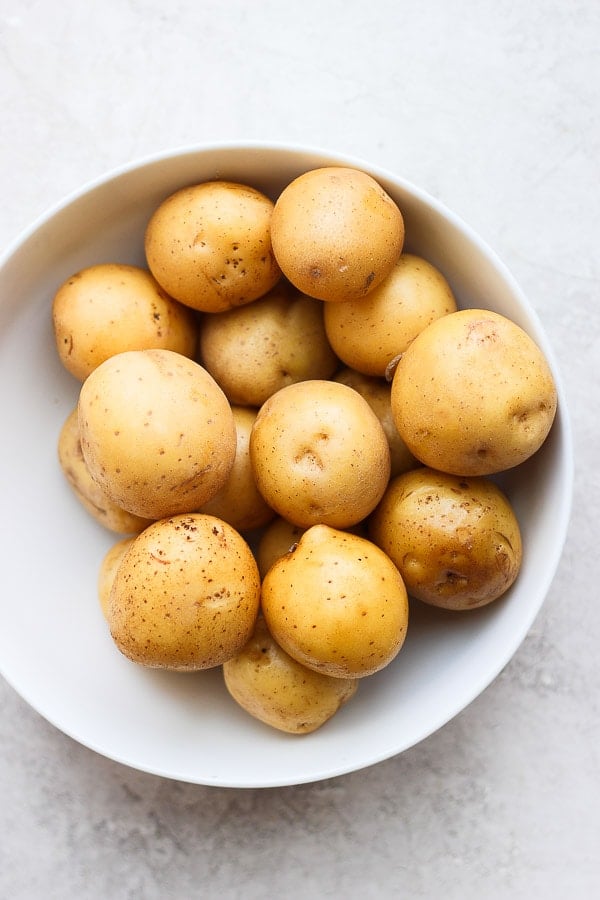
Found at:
<point>54,646</point>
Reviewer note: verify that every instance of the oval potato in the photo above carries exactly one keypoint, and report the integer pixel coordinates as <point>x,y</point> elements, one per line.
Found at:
<point>456,541</point>
<point>473,394</point>
<point>336,233</point>
<point>157,432</point>
<point>209,245</point>
<point>336,603</point>
<point>272,687</point>
<point>185,595</point>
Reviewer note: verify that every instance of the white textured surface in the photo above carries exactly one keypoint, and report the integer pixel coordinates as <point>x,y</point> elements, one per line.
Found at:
<point>493,108</point>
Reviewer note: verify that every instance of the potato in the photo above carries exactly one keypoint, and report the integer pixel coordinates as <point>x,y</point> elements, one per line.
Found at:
<point>239,502</point>
<point>272,687</point>
<point>473,394</point>
<point>91,496</point>
<point>319,454</point>
<point>455,540</point>
<point>277,539</point>
<point>108,570</point>
<point>209,245</point>
<point>336,603</point>
<point>108,308</point>
<point>255,350</point>
<point>368,333</point>
<point>336,233</point>
<point>377,392</point>
<point>157,432</point>
<point>185,595</point>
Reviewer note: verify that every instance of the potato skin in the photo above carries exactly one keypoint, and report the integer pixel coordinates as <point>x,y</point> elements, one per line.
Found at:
<point>109,308</point>
<point>319,454</point>
<point>209,245</point>
<point>89,493</point>
<point>456,540</point>
<point>336,603</point>
<point>185,596</point>
<point>255,350</point>
<point>272,687</point>
<point>367,334</point>
<point>336,233</point>
<point>157,432</point>
<point>473,394</point>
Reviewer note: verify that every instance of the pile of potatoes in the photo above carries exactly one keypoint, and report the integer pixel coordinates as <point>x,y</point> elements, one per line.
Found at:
<point>293,429</point>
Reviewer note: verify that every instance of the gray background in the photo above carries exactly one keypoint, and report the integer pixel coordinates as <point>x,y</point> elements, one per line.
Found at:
<point>493,107</point>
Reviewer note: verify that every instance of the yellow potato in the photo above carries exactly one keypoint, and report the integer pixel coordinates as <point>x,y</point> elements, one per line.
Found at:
<point>272,687</point>
<point>209,245</point>
<point>336,603</point>
<point>377,393</point>
<point>455,540</point>
<point>257,349</point>
<point>336,233</point>
<point>473,394</point>
<point>92,497</point>
<point>108,570</point>
<point>368,333</point>
<point>319,454</point>
<point>109,308</point>
<point>277,539</point>
<point>185,595</point>
<point>157,432</point>
<point>239,502</point>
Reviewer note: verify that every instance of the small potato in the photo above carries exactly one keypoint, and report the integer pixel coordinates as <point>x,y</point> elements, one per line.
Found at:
<point>336,233</point>
<point>209,245</point>
<point>336,603</point>
<point>377,393</point>
<point>108,570</point>
<point>255,350</point>
<point>185,595</point>
<point>157,432</point>
<point>239,502</point>
<point>455,540</point>
<point>319,454</point>
<point>89,493</point>
<point>473,394</point>
<point>108,308</point>
<point>275,689</point>
<point>368,333</point>
<point>277,539</point>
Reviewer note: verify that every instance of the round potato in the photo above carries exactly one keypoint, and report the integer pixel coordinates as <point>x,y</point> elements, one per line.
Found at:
<point>185,595</point>
<point>89,493</point>
<point>368,333</point>
<point>209,245</point>
<point>157,432</point>
<point>319,454</point>
<point>109,308</point>
<point>255,350</point>
<point>108,570</point>
<point>473,394</point>
<point>336,603</point>
<point>377,393</point>
<point>336,233</point>
<point>455,540</point>
<point>272,687</point>
<point>239,502</point>
<point>277,539</point>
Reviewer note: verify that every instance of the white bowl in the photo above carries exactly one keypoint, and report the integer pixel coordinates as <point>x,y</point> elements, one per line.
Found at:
<point>54,646</point>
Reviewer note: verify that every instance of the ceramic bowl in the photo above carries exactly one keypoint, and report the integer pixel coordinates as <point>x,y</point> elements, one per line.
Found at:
<point>55,649</point>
